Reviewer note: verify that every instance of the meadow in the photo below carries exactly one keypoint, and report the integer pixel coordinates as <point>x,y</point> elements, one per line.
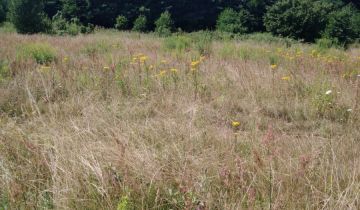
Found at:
<point>121,120</point>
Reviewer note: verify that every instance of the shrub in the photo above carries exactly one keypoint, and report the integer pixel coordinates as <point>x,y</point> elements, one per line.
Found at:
<point>41,53</point>
<point>164,25</point>
<point>4,71</point>
<point>73,28</point>
<point>7,27</point>
<point>325,43</point>
<point>178,43</point>
<point>28,16</point>
<point>268,38</point>
<point>202,41</point>
<point>96,48</point>
<point>300,19</point>
<point>234,22</point>
<point>140,24</point>
<point>343,26</point>
<point>121,22</point>
<point>61,26</point>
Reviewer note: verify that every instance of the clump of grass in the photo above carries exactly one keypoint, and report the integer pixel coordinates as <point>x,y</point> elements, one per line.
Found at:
<point>202,42</point>
<point>42,53</point>
<point>93,49</point>
<point>4,71</point>
<point>178,43</point>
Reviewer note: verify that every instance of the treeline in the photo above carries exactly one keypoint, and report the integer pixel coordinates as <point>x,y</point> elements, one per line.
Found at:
<point>308,20</point>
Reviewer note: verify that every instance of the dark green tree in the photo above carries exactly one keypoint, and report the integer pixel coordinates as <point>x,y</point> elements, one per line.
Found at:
<point>79,9</point>
<point>343,26</point>
<point>121,22</point>
<point>164,25</point>
<point>234,22</point>
<point>51,7</point>
<point>140,24</point>
<point>300,19</point>
<point>2,13</point>
<point>28,16</point>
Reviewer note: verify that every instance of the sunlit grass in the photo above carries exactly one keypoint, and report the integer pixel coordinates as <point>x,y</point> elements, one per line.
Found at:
<point>133,121</point>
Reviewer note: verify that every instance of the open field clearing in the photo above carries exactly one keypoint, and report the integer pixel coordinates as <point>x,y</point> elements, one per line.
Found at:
<point>128,121</point>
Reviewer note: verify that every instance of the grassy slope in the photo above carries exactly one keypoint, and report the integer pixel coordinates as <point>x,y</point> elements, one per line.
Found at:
<point>98,129</point>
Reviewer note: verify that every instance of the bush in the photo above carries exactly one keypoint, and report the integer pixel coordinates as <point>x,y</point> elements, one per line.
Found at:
<point>202,41</point>
<point>300,19</point>
<point>325,43</point>
<point>140,24</point>
<point>121,22</point>
<point>268,38</point>
<point>28,16</point>
<point>178,43</point>
<point>61,26</point>
<point>41,53</point>
<point>343,26</point>
<point>234,22</point>
<point>4,71</point>
<point>164,25</point>
<point>7,27</point>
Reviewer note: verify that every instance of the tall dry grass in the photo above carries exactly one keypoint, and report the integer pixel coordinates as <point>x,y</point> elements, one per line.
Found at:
<point>102,127</point>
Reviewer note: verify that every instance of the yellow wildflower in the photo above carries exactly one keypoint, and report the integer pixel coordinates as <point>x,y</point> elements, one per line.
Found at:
<point>235,124</point>
<point>314,53</point>
<point>162,73</point>
<point>273,66</point>
<point>173,70</point>
<point>286,78</point>
<point>194,65</point>
<point>106,68</point>
<point>66,59</point>
<point>143,58</point>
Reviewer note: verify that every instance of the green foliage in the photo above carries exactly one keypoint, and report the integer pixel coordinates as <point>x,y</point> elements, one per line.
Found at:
<point>4,71</point>
<point>123,203</point>
<point>177,43</point>
<point>2,13</point>
<point>7,27</point>
<point>300,19</point>
<point>234,22</point>
<point>327,104</point>
<point>61,26</point>
<point>343,26</point>
<point>268,38</point>
<point>326,43</point>
<point>140,24</point>
<point>40,52</point>
<point>121,22</point>
<point>96,48</point>
<point>28,16</point>
<point>202,41</point>
<point>164,25</point>
<point>297,19</point>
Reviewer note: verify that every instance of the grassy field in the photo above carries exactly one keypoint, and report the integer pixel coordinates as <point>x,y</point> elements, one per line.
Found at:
<point>131,121</point>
